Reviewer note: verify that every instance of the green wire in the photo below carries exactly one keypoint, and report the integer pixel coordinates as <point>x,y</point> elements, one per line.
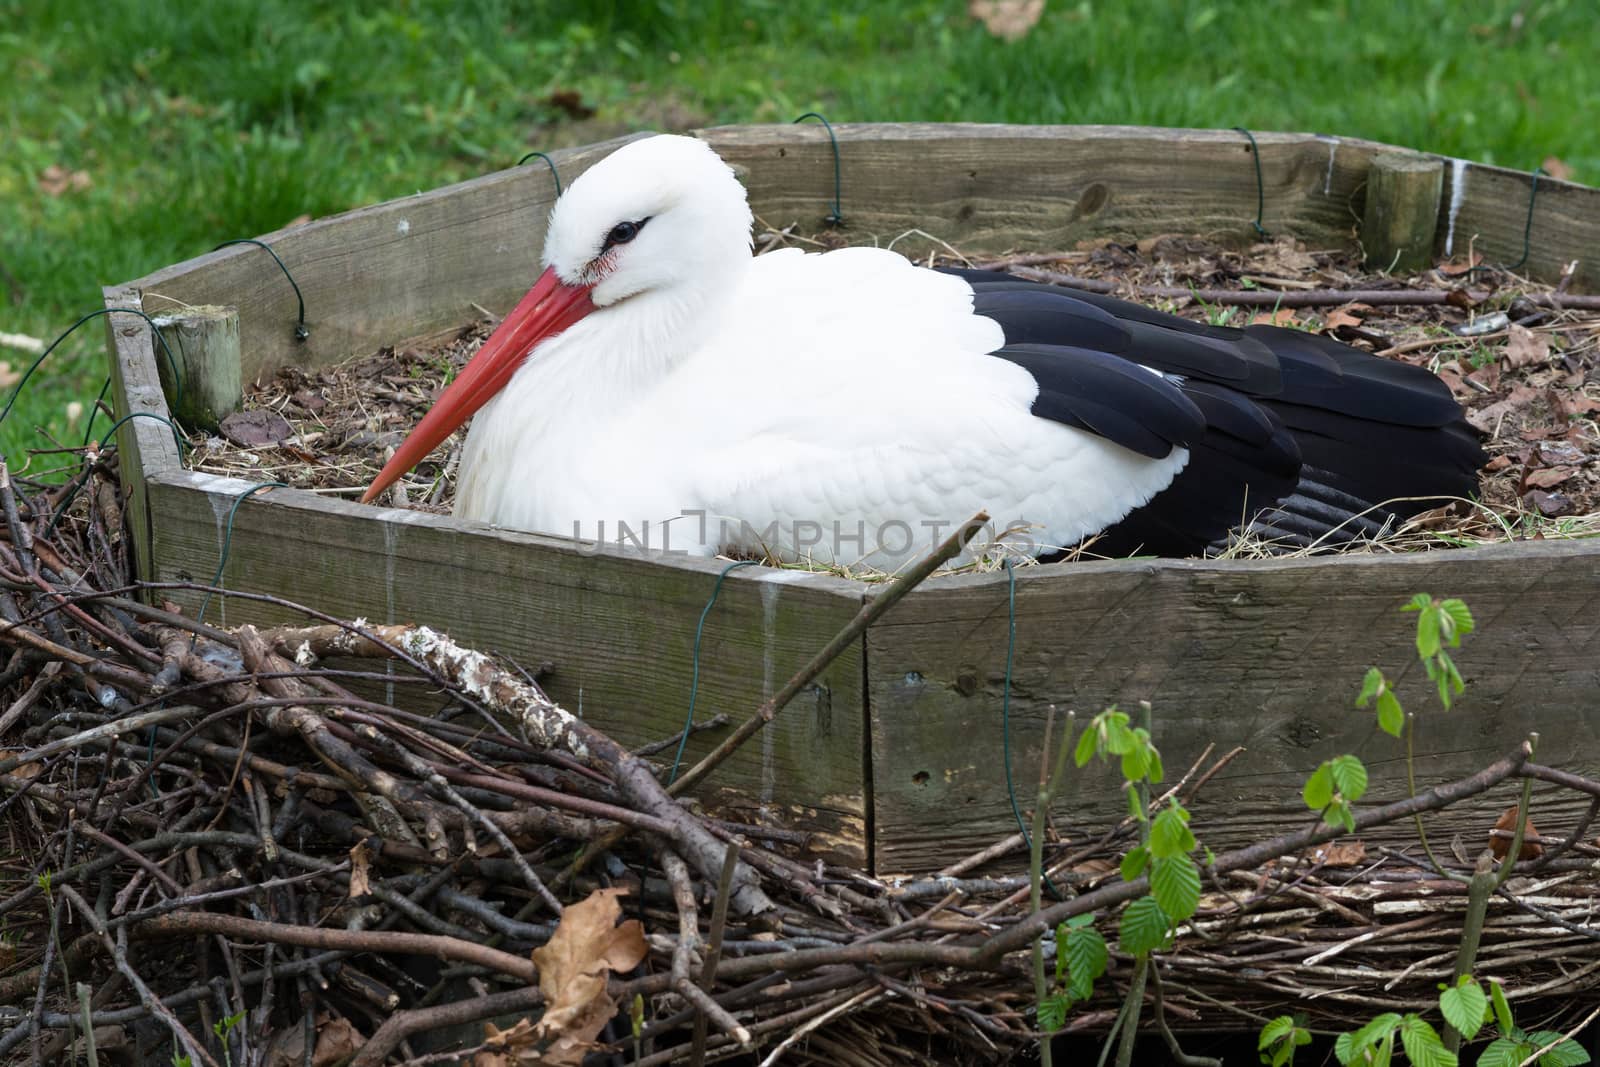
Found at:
<point>177,381</point>
<point>555,174</point>
<point>227,542</point>
<point>1261,195</point>
<point>837,218</point>
<point>694,676</point>
<point>177,439</point>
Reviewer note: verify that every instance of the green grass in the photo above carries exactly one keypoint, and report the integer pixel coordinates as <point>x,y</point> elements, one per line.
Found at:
<point>200,121</point>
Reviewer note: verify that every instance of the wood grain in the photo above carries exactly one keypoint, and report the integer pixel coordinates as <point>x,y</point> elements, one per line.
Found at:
<point>1397,231</point>
<point>1268,655</point>
<point>1493,217</point>
<point>617,629</point>
<point>986,189</point>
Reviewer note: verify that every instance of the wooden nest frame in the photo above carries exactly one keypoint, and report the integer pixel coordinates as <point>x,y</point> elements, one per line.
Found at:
<point>894,757</point>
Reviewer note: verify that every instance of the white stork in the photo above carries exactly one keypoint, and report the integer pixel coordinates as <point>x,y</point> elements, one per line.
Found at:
<point>851,407</point>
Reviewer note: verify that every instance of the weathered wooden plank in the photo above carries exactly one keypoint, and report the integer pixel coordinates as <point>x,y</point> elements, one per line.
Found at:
<point>1487,207</point>
<point>1268,655</point>
<point>618,628</point>
<point>988,188</point>
<point>145,445</point>
<point>203,381</point>
<point>1402,211</point>
<point>380,274</point>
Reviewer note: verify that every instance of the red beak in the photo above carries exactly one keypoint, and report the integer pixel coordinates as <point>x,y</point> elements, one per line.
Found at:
<point>550,307</point>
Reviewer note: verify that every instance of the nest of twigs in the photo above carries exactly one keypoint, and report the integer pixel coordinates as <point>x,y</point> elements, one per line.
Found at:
<point>1521,358</point>
<point>234,845</point>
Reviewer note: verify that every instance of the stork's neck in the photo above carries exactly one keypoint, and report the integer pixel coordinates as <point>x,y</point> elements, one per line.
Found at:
<point>620,352</point>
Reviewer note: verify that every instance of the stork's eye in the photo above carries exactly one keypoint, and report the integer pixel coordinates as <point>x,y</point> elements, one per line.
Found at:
<point>622,233</point>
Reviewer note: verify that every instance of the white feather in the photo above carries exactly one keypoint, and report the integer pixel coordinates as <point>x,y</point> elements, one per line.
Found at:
<point>841,407</point>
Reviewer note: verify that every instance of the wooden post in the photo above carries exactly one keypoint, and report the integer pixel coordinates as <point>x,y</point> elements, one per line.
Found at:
<point>204,342</point>
<point>1402,211</point>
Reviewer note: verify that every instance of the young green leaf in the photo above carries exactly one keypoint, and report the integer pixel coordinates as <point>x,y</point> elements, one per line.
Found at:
<point>1460,618</point>
<point>1175,883</point>
<point>1088,745</point>
<point>1169,831</point>
<point>1156,772</point>
<point>1424,1047</point>
<point>1144,926</point>
<point>1465,1006</point>
<point>1281,1036</point>
<point>1276,1030</point>
<point>1391,719</point>
<point>1087,957</point>
<point>1136,763</point>
<point>1133,863</point>
<point>1505,1052</point>
<point>1564,1052</point>
<point>1502,1010</point>
<point>1053,1013</point>
<point>1318,792</point>
<point>1428,632</point>
<point>1349,776</point>
<point>1372,685</point>
<point>1339,813</point>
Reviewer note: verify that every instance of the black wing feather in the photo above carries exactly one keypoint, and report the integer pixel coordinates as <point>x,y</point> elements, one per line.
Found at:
<point>1305,441</point>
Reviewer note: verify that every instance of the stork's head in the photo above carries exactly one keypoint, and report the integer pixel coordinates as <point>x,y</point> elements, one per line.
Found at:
<point>658,215</point>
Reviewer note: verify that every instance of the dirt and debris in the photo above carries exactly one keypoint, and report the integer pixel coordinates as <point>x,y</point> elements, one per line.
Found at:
<point>1527,375</point>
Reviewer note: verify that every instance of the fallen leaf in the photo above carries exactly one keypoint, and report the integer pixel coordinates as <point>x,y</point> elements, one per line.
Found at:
<point>1488,418</point>
<point>573,967</point>
<point>1557,168</point>
<point>570,102</point>
<point>1010,20</point>
<point>360,870</point>
<point>1507,823</point>
<point>1549,478</point>
<point>1280,317</point>
<point>1341,853</point>
<point>1345,316</point>
<point>1550,505</point>
<point>337,1042</point>
<point>1525,348</point>
<point>1487,376</point>
<point>1284,257</point>
<point>1556,453</point>
<point>256,428</point>
<point>1460,264</point>
<point>27,770</point>
<point>1498,463</point>
<point>1573,405</point>
<point>56,179</point>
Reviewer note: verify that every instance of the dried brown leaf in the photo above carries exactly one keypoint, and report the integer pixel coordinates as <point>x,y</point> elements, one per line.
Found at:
<point>1488,418</point>
<point>1280,317</point>
<point>55,180</point>
<point>1557,168</point>
<point>1341,853</point>
<point>573,967</point>
<point>1550,477</point>
<point>1010,20</point>
<point>1525,348</point>
<point>1551,505</point>
<point>1507,823</point>
<point>360,870</point>
<point>1345,316</point>
<point>256,428</point>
